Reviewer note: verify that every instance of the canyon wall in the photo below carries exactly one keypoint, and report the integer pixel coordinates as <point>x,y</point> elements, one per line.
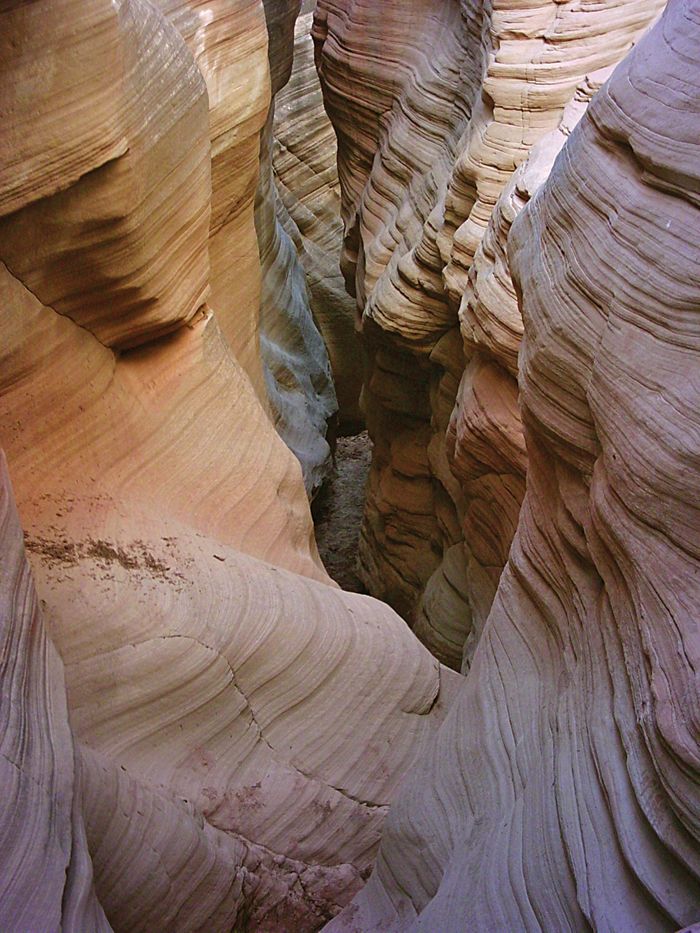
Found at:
<point>561,793</point>
<point>427,147</point>
<point>306,177</point>
<point>45,869</point>
<point>240,724</point>
<point>199,730</point>
<point>295,360</point>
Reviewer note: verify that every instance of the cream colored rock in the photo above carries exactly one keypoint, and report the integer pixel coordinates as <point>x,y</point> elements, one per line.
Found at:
<point>297,369</point>
<point>562,790</point>
<point>426,146</point>
<point>306,177</point>
<point>262,307</point>
<point>45,870</point>
<point>485,443</point>
<point>240,723</point>
<point>295,359</point>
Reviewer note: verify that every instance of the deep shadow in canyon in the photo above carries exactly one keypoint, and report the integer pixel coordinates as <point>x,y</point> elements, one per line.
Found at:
<point>338,508</point>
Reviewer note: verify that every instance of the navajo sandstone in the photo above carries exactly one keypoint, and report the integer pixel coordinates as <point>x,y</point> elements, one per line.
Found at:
<point>239,723</point>
<point>199,730</point>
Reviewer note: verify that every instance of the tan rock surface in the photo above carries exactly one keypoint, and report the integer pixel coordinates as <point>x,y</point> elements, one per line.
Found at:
<point>306,177</point>
<point>426,147</point>
<point>295,358</point>
<point>262,307</point>
<point>228,41</point>
<point>485,443</point>
<point>241,723</point>
<point>562,790</point>
<point>45,870</point>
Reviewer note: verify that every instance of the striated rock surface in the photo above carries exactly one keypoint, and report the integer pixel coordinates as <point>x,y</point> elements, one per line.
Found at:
<point>426,148</point>
<point>297,369</point>
<point>240,723</point>
<point>228,41</point>
<point>561,793</point>
<point>306,177</point>
<point>485,443</point>
<point>262,306</point>
<point>45,870</point>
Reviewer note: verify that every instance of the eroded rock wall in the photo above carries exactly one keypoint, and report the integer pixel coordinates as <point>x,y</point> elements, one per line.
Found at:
<point>562,790</point>
<point>45,869</point>
<point>426,148</point>
<point>240,723</point>
<point>244,51</point>
<point>295,359</point>
<point>306,178</point>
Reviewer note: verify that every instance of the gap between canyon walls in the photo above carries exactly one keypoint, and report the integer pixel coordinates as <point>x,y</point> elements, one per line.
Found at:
<point>303,191</point>
<point>437,155</point>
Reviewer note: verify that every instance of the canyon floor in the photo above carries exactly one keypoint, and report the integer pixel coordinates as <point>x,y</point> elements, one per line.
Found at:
<point>338,509</point>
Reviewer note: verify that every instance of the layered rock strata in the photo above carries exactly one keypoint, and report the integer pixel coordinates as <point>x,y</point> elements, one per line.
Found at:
<point>45,869</point>
<point>229,44</point>
<point>426,148</point>
<point>485,442</point>
<point>306,177</point>
<point>562,790</point>
<point>295,359</point>
<point>296,364</point>
<point>240,724</point>
<point>263,306</point>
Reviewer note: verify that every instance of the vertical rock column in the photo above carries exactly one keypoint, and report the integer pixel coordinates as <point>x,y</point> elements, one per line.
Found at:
<point>306,178</point>
<point>297,369</point>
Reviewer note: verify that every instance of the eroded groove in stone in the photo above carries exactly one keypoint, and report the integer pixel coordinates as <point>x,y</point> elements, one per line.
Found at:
<point>306,177</point>
<point>561,793</point>
<point>434,108</point>
<point>241,723</point>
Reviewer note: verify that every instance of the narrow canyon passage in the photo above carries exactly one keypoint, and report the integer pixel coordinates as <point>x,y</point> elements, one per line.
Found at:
<point>338,510</point>
<point>350,466</point>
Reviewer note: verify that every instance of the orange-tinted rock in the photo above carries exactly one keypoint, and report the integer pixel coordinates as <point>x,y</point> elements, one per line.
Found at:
<point>241,724</point>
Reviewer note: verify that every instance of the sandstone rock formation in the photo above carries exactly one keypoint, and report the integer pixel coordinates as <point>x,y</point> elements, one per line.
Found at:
<point>240,723</point>
<point>426,148</point>
<point>45,870</point>
<point>306,177</point>
<point>295,359</point>
<point>561,793</point>
<point>263,306</point>
<point>229,45</point>
<point>485,443</point>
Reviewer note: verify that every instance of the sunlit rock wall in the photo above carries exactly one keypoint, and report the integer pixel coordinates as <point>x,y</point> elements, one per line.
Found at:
<point>562,792</point>
<point>434,108</point>
<point>240,724</point>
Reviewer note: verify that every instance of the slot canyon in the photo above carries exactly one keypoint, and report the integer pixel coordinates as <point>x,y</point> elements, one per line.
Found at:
<point>350,485</point>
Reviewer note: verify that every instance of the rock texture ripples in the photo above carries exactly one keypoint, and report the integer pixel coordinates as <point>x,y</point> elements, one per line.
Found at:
<point>561,793</point>
<point>239,723</point>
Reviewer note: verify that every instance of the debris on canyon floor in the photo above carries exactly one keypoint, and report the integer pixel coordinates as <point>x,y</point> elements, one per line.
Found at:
<point>338,510</point>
